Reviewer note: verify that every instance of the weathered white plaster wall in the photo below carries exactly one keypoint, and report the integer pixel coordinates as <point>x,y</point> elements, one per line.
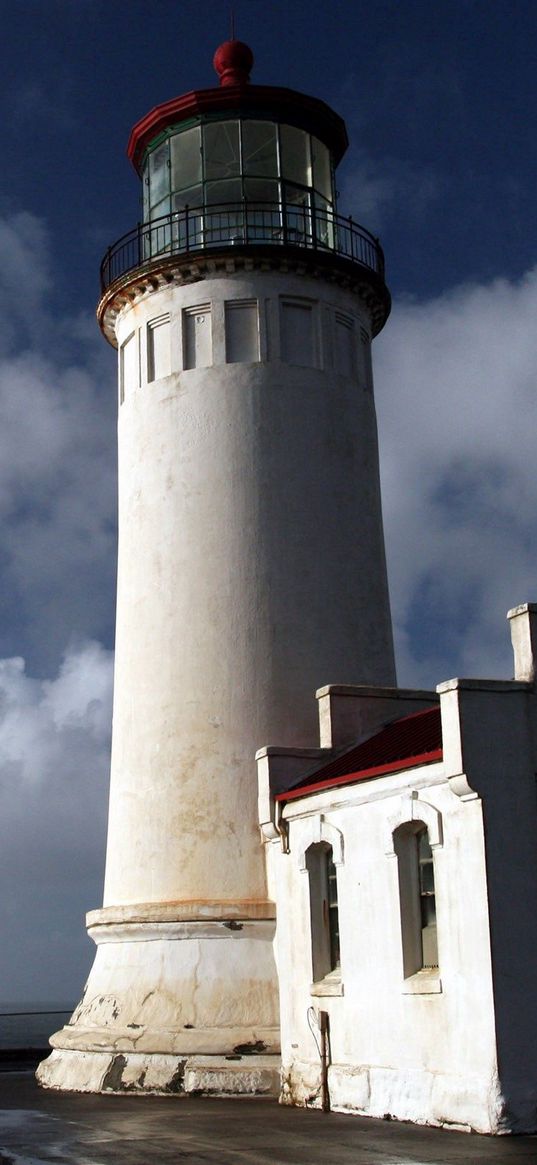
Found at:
<point>418,1049</point>
<point>457,1046</point>
<point>251,569</point>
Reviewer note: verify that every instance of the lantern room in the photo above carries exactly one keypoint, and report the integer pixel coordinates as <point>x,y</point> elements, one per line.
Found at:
<point>228,160</point>
<point>239,143</point>
<point>246,167</point>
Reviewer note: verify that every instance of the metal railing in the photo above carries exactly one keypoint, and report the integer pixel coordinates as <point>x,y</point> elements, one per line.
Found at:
<point>242,224</point>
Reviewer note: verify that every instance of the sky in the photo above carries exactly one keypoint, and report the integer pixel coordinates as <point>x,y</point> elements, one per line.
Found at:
<point>440,102</point>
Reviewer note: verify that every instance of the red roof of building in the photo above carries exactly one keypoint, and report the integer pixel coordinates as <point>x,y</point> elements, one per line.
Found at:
<point>283,105</point>
<point>412,740</point>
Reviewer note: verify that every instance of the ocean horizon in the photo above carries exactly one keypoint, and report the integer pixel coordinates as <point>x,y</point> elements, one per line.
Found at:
<point>29,1024</point>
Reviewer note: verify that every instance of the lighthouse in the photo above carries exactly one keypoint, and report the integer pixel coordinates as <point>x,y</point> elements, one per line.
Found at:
<point>251,564</point>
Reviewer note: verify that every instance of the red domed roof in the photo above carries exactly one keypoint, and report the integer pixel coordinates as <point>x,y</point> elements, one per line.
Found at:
<point>233,62</point>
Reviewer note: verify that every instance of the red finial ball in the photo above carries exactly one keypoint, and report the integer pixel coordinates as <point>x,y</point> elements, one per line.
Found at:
<point>233,61</point>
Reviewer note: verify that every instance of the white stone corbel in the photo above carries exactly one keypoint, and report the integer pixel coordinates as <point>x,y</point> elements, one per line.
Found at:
<point>412,808</point>
<point>278,769</point>
<point>319,829</point>
<point>276,827</point>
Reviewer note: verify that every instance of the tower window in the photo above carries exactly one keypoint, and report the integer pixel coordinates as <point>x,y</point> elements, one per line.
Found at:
<point>242,332</point>
<point>158,348</point>
<point>345,345</point>
<point>324,914</point>
<point>297,333</point>
<point>128,366</point>
<point>366,351</point>
<point>197,340</point>
<point>417,897</point>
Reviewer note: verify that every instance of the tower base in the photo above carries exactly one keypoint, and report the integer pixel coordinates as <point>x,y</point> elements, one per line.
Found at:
<point>122,1072</point>
<point>182,998</point>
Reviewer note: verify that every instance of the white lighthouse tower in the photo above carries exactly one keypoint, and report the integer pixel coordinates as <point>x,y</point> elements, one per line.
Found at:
<point>251,563</point>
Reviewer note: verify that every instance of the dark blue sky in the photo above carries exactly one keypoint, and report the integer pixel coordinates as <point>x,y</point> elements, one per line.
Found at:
<point>441,97</point>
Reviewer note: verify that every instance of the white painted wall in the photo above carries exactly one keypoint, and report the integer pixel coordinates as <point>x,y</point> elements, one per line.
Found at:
<point>251,570</point>
<point>457,1046</point>
<point>415,1049</point>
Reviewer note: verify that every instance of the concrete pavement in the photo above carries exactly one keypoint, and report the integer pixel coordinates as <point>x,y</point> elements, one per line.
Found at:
<point>39,1127</point>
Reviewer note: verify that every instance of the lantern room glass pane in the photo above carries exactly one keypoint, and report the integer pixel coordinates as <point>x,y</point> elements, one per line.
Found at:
<point>259,153</point>
<point>160,209</point>
<point>188,232</point>
<point>217,193</point>
<point>192,197</point>
<point>159,173</point>
<point>295,151</point>
<point>261,190</point>
<point>263,209</point>
<point>324,222</point>
<point>186,158</point>
<point>322,177</point>
<point>159,238</point>
<point>221,149</point>
<point>297,214</point>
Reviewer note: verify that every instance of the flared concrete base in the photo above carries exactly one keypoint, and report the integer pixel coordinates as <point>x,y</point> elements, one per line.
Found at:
<point>181,998</point>
<point>161,1075</point>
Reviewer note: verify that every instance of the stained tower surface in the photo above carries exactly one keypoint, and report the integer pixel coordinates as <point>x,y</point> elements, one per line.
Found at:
<point>251,565</point>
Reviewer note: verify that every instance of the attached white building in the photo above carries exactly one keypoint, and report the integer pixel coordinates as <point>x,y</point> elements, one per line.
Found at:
<point>404,870</point>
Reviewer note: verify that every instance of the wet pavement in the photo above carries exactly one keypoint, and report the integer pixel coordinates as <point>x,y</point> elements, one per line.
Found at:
<point>38,1127</point>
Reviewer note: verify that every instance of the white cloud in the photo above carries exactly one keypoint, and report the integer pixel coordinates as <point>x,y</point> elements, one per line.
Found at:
<point>57,461</point>
<point>57,565</point>
<point>36,714</point>
<point>24,278</point>
<point>54,763</point>
<point>456,382</point>
<point>372,189</point>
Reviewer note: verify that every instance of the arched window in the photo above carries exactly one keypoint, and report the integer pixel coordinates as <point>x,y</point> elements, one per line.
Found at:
<point>322,875</point>
<point>417,897</point>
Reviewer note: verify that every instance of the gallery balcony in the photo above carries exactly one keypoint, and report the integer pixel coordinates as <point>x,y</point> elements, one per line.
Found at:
<point>242,226</point>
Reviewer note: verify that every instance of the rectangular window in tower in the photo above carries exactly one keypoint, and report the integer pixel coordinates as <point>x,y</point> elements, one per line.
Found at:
<point>345,345</point>
<point>158,348</point>
<point>197,340</point>
<point>366,359</point>
<point>128,366</point>
<point>242,332</point>
<point>297,333</point>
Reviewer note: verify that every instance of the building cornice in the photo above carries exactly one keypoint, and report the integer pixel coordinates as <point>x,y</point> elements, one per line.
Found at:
<point>179,270</point>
